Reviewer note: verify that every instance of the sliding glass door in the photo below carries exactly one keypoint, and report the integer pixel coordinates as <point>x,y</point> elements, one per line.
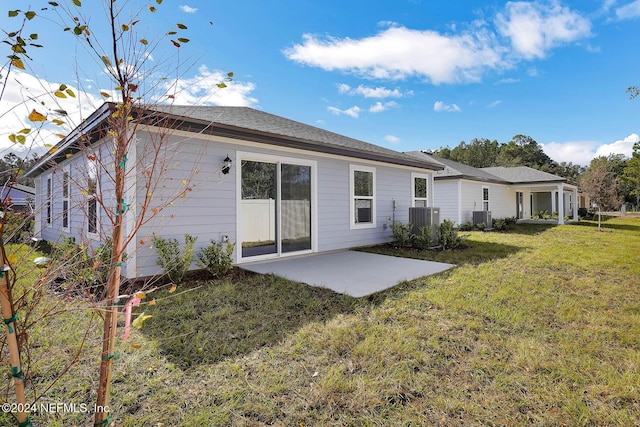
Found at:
<point>275,208</point>
<point>258,208</point>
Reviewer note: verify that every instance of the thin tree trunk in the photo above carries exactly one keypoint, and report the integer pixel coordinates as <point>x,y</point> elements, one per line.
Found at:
<point>113,285</point>
<point>12,341</point>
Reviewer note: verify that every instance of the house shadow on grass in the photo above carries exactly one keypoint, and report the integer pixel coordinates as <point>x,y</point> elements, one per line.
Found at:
<point>236,315</point>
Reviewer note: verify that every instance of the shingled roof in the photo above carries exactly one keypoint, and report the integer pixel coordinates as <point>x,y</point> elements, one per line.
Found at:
<point>455,170</point>
<point>499,175</point>
<point>249,123</point>
<point>523,175</point>
<point>239,123</point>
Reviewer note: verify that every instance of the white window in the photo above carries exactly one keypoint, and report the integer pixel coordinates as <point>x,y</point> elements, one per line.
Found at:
<point>66,177</point>
<point>485,198</point>
<point>92,197</point>
<point>420,190</point>
<point>47,203</point>
<point>363,196</point>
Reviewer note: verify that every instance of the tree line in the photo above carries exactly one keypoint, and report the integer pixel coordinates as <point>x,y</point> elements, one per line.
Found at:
<point>610,181</point>
<point>522,150</point>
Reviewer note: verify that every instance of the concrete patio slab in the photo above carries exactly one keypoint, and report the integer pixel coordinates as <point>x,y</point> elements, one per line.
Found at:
<point>349,272</point>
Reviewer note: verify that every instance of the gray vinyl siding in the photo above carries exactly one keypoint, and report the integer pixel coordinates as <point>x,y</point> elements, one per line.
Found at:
<point>334,198</point>
<point>502,200</point>
<point>446,198</point>
<point>209,210</point>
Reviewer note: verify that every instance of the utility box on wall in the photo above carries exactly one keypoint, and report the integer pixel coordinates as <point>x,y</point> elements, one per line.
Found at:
<point>423,217</point>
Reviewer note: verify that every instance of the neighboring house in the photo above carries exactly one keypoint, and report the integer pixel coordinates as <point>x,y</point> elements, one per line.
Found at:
<point>505,192</point>
<point>20,196</point>
<point>273,186</point>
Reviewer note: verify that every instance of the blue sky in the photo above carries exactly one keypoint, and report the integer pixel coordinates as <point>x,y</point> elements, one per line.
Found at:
<point>406,75</point>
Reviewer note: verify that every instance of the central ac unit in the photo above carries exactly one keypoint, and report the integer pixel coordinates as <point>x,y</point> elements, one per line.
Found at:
<point>423,217</point>
<point>483,217</point>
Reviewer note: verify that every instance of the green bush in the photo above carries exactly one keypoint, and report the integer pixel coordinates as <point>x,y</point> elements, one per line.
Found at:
<point>75,264</point>
<point>481,226</point>
<point>467,226</point>
<point>174,261</point>
<point>499,224</point>
<point>402,233</point>
<point>427,238</point>
<point>512,220</point>
<point>216,258</point>
<point>17,228</point>
<point>449,238</point>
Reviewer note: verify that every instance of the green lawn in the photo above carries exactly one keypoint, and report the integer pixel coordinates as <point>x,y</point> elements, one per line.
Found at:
<point>538,326</point>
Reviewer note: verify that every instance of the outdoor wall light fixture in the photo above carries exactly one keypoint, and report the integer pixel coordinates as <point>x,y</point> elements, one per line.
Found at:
<point>226,165</point>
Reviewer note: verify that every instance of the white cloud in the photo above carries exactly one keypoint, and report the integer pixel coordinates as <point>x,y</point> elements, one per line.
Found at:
<point>379,107</point>
<point>399,52</point>
<point>576,152</point>
<point>582,152</point>
<point>622,146</point>
<point>25,92</point>
<point>392,139</point>
<point>188,9</point>
<point>608,4</point>
<point>534,28</point>
<point>371,92</point>
<point>629,11</point>
<point>440,106</point>
<point>522,31</point>
<point>351,112</point>
<point>202,89</point>
<point>495,103</point>
<point>508,81</point>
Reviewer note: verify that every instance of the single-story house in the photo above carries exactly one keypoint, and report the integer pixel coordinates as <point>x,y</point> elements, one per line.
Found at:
<point>273,186</point>
<point>21,197</point>
<point>460,190</point>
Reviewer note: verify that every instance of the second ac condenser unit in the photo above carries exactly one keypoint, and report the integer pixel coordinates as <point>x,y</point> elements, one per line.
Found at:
<point>482,217</point>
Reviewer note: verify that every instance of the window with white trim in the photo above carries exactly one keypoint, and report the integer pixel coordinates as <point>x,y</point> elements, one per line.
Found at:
<point>420,190</point>
<point>485,198</point>
<point>92,197</point>
<point>66,177</point>
<point>47,203</point>
<point>363,196</point>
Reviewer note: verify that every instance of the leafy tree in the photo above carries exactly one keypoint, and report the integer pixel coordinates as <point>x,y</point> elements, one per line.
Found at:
<point>631,173</point>
<point>568,170</point>
<point>601,181</point>
<point>13,166</point>
<point>523,150</point>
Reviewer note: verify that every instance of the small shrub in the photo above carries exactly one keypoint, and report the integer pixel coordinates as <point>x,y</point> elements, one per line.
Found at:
<point>467,226</point>
<point>512,220</point>
<point>17,228</point>
<point>499,224</point>
<point>427,237</point>
<point>174,262</point>
<point>216,258</point>
<point>449,238</point>
<point>402,233</point>
<point>75,265</point>
<point>481,226</point>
